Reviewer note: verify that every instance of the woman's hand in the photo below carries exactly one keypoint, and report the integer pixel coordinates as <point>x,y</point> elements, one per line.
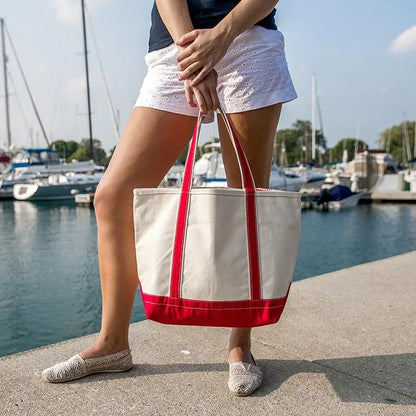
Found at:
<point>205,92</point>
<point>201,50</point>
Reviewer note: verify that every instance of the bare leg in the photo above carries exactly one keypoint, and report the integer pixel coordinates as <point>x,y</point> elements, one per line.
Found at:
<point>150,143</point>
<point>256,130</point>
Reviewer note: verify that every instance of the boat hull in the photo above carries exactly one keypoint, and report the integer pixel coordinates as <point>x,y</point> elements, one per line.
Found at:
<point>346,203</point>
<point>37,192</point>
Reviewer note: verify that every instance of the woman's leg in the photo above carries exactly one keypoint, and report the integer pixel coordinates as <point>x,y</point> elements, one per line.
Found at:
<point>149,144</point>
<point>256,131</point>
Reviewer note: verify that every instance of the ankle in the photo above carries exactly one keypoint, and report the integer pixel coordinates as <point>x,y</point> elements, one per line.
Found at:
<point>240,337</point>
<point>105,345</point>
<point>112,341</point>
<point>240,353</point>
<point>243,345</point>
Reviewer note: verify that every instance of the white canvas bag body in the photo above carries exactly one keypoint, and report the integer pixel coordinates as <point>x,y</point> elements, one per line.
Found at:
<point>215,256</point>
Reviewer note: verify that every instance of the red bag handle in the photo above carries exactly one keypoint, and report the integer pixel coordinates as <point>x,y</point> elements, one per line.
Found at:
<point>251,212</point>
<point>246,176</point>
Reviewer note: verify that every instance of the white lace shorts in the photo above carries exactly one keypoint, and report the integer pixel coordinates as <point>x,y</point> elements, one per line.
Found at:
<point>253,74</point>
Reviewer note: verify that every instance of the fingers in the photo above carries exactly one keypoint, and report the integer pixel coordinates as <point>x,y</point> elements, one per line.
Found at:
<point>189,95</point>
<point>185,62</point>
<point>200,98</point>
<point>189,71</point>
<point>187,38</point>
<point>202,74</point>
<point>206,93</point>
<point>183,55</point>
<point>215,100</point>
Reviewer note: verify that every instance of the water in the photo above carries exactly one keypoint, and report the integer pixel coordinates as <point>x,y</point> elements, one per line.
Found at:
<point>49,276</point>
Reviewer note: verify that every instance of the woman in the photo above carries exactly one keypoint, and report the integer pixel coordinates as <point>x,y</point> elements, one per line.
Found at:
<point>201,52</point>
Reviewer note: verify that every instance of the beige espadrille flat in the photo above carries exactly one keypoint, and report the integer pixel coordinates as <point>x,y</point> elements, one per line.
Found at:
<point>244,378</point>
<point>76,367</point>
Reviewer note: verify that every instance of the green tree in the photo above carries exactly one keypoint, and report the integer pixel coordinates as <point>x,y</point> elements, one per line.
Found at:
<point>100,156</point>
<point>65,148</point>
<point>349,144</point>
<point>393,140</point>
<point>106,162</point>
<point>79,155</point>
<point>297,142</point>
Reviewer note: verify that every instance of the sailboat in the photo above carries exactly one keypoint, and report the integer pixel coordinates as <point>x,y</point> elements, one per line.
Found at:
<point>48,177</point>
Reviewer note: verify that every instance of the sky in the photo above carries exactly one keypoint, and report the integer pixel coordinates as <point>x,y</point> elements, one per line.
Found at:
<point>362,52</point>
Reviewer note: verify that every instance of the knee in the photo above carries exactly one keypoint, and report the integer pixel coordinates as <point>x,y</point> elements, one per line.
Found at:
<point>111,200</point>
<point>102,199</point>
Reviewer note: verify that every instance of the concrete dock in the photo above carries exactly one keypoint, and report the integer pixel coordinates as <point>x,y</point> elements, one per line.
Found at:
<point>345,345</point>
<point>388,196</point>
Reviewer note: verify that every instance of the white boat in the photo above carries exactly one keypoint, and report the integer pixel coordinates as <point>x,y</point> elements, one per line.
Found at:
<point>174,176</point>
<point>312,178</point>
<point>337,198</point>
<point>4,161</point>
<point>209,171</point>
<point>279,179</point>
<point>56,187</point>
<point>37,164</point>
<point>346,203</point>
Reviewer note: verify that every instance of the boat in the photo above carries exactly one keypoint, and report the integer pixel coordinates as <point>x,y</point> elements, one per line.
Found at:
<point>56,187</point>
<point>33,164</point>
<point>284,181</point>
<point>174,176</point>
<point>209,171</point>
<point>33,170</point>
<point>4,161</point>
<point>336,198</point>
<point>312,178</point>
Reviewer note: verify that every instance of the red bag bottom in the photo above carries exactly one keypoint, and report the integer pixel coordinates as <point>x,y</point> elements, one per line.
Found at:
<point>237,314</point>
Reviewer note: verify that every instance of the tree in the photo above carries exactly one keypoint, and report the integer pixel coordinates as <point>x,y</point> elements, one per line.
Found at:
<point>106,162</point>
<point>100,156</point>
<point>65,148</point>
<point>349,144</point>
<point>79,155</point>
<point>297,142</point>
<point>394,140</point>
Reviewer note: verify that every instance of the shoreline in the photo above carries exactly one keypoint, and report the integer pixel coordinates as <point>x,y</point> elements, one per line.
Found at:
<point>344,345</point>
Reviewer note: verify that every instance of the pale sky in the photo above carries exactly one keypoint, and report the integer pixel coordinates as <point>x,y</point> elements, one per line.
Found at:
<point>363,53</point>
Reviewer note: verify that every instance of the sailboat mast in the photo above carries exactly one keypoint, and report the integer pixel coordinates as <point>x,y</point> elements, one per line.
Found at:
<point>406,138</point>
<point>88,78</point>
<point>313,116</point>
<point>6,89</point>
<point>414,142</point>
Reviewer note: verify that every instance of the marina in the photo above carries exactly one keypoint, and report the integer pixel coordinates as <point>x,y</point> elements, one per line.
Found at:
<point>345,343</point>
<point>49,264</point>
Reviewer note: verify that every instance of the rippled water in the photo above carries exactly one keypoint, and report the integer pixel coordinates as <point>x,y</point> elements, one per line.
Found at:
<point>49,276</point>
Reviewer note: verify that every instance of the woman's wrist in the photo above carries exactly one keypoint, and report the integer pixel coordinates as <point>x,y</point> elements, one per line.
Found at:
<point>243,16</point>
<point>227,32</point>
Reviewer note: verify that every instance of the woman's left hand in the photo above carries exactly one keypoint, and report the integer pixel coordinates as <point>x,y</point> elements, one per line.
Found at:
<point>205,48</point>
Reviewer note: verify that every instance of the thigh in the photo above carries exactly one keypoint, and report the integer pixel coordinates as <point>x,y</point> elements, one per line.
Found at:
<point>150,143</point>
<point>256,131</point>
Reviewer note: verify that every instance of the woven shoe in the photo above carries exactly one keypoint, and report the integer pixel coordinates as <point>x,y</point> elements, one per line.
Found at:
<point>244,378</point>
<point>77,367</point>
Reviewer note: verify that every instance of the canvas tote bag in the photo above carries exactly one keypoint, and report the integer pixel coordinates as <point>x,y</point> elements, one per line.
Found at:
<point>215,256</point>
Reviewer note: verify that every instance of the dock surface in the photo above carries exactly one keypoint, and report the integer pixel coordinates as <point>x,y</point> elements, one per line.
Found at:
<point>389,196</point>
<point>345,345</point>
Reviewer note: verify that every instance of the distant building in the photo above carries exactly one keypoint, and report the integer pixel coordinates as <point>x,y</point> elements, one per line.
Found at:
<point>385,161</point>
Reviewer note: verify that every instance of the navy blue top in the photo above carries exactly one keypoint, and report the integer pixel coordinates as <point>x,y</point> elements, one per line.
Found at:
<point>205,14</point>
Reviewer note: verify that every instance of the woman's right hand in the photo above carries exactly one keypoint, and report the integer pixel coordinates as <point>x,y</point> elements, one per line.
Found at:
<point>205,92</point>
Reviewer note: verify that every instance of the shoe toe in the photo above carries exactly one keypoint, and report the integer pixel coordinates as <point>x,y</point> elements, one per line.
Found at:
<point>65,371</point>
<point>244,378</point>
